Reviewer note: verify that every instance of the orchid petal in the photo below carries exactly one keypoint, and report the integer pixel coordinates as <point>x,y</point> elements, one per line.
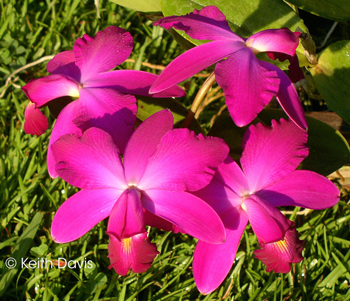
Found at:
<point>288,97</point>
<point>209,23</point>
<point>110,111</point>
<point>233,176</point>
<point>64,63</point>
<point>42,90</point>
<point>211,263</point>
<point>35,121</point>
<point>183,161</point>
<point>219,195</point>
<point>143,144</point>
<point>187,211</point>
<point>81,212</point>
<point>64,125</point>
<point>278,256</point>
<point>136,253</point>
<point>227,188</point>
<point>90,162</point>
<point>132,82</point>
<point>248,85</point>
<point>193,61</point>
<point>126,218</point>
<point>106,50</point>
<point>271,153</point>
<point>302,188</point>
<point>276,40</point>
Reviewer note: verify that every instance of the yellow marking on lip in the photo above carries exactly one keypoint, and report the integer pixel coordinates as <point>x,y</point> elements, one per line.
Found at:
<point>281,245</point>
<point>127,243</point>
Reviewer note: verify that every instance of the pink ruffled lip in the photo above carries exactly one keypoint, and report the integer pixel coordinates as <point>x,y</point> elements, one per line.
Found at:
<point>136,253</point>
<point>278,255</point>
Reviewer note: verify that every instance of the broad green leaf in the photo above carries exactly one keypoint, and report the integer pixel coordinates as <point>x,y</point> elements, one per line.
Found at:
<point>337,10</point>
<point>98,281</point>
<point>245,17</point>
<point>39,251</point>
<point>328,150</point>
<point>226,129</point>
<point>332,77</point>
<point>19,251</point>
<point>140,5</point>
<point>90,270</point>
<point>146,106</point>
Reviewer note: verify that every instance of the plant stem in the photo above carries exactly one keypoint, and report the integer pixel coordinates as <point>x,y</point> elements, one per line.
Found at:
<point>198,100</point>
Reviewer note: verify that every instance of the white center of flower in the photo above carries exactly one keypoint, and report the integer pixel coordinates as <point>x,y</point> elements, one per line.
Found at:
<point>245,196</point>
<point>249,43</point>
<point>134,187</point>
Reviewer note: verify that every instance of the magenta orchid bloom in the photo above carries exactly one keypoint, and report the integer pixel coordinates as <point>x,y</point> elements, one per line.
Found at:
<point>267,179</point>
<point>248,83</point>
<point>160,167</point>
<point>104,99</point>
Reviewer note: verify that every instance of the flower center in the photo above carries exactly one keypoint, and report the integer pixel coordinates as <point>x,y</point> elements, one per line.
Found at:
<point>249,43</point>
<point>245,196</point>
<point>134,187</point>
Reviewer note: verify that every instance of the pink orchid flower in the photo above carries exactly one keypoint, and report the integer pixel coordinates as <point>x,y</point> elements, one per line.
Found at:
<point>248,83</point>
<point>160,167</point>
<point>104,99</point>
<point>267,179</point>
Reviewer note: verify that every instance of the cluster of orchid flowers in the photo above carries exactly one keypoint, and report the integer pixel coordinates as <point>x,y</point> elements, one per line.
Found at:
<point>169,178</point>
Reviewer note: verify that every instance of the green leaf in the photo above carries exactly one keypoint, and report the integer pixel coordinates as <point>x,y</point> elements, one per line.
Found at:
<point>97,282</point>
<point>39,251</point>
<point>328,150</point>
<point>245,17</point>
<point>19,251</point>
<point>337,10</point>
<point>147,106</point>
<point>90,270</point>
<point>331,76</point>
<point>140,5</point>
<point>226,129</point>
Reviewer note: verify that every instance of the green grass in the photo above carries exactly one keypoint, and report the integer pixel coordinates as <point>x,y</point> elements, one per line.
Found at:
<point>30,30</point>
